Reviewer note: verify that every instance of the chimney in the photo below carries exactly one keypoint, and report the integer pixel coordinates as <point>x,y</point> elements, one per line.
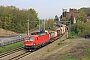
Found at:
<point>64,10</point>
<point>71,10</point>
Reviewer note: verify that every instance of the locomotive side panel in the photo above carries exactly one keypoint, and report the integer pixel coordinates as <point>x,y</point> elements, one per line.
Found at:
<point>43,39</point>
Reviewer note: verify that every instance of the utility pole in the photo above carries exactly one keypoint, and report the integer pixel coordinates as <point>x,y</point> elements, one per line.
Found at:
<point>70,26</point>
<point>27,27</point>
<point>44,25</point>
<point>60,30</point>
<point>39,25</point>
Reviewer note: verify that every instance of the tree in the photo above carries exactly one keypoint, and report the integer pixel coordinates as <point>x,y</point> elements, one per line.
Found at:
<point>82,17</point>
<point>78,28</point>
<point>87,28</point>
<point>86,10</point>
<point>11,18</point>
<point>56,18</point>
<point>81,29</point>
<point>49,24</point>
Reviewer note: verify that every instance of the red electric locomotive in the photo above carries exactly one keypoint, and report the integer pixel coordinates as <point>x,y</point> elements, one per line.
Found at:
<point>36,40</point>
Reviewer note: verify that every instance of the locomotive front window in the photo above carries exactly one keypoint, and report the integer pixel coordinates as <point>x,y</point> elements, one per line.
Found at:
<point>30,38</point>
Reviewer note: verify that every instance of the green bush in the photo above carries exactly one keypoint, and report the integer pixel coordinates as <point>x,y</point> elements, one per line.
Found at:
<point>81,29</point>
<point>72,35</point>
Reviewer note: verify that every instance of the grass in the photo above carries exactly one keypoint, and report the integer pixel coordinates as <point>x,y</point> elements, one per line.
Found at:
<point>87,50</point>
<point>84,56</point>
<point>61,43</point>
<point>73,35</point>
<point>56,46</point>
<point>72,59</point>
<point>10,47</point>
<point>65,57</point>
<point>87,57</point>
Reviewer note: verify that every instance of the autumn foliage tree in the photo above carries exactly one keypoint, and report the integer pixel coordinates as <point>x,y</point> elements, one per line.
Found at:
<point>49,24</point>
<point>86,10</point>
<point>82,26</point>
<point>82,17</point>
<point>14,19</point>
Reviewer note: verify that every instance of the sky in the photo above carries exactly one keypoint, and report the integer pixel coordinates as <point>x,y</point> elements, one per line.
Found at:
<point>47,8</point>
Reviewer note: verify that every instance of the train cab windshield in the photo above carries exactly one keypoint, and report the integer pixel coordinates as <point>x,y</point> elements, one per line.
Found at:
<point>30,38</point>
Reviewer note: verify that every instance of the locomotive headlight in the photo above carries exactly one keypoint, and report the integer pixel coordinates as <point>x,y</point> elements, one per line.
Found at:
<point>34,44</point>
<point>26,44</point>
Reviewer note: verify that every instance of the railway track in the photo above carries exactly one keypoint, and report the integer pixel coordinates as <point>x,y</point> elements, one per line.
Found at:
<point>11,52</point>
<point>20,56</point>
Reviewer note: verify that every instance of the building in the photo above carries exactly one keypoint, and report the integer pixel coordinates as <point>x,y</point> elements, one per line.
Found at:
<point>72,12</point>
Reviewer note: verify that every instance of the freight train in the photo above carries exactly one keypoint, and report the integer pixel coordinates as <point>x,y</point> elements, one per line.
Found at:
<point>38,39</point>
